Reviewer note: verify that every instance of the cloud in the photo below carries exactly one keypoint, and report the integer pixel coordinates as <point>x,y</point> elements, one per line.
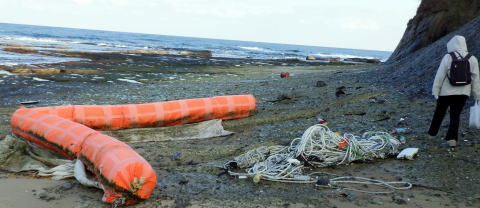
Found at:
<point>365,24</point>
<point>119,2</point>
<point>227,8</point>
<point>83,2</point>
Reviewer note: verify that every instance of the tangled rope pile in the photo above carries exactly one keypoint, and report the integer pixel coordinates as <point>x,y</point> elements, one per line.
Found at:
<point>318,147</point>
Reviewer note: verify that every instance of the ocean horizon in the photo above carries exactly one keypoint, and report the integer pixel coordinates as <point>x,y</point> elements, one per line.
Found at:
<point>109,41</point>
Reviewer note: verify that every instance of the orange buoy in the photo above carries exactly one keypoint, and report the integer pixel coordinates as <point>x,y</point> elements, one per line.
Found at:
<point>122,172</point>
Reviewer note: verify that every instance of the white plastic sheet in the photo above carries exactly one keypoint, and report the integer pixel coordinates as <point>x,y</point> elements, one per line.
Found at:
<point>17,155</point>
<point>408,153</point>
<point>474,120</point>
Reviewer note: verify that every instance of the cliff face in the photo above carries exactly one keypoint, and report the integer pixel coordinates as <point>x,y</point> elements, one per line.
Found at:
<point>434,20</point>
<point>413,73</point>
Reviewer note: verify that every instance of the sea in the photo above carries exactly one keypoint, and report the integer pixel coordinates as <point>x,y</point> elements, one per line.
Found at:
<point>108,41</point>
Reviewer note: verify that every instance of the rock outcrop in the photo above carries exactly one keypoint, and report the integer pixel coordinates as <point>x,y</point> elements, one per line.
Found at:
<point>200,53</point>
<point>434,20</point>
<point>415,71</point>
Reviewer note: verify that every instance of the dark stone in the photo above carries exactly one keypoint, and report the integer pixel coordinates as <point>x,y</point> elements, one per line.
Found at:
<point>340,91</point>
<point>320,84</point>
<point>398,200</point>
<point>66,186</point>
<point>42,196</point>
<point>46,197</point>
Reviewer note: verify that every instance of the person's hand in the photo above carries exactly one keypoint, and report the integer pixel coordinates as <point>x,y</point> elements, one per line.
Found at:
<point>436,97</point>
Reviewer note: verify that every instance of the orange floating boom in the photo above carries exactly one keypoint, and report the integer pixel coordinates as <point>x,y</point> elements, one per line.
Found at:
<point>122,172</point>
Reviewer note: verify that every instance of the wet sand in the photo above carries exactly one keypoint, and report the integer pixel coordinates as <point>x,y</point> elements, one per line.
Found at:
<point>286,108</point>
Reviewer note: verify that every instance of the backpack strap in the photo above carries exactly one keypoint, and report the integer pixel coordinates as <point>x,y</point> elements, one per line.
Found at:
<point>467,57</point>
<point>454,57</point>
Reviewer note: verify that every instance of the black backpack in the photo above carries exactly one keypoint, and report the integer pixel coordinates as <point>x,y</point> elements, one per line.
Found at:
<point>460,74</point>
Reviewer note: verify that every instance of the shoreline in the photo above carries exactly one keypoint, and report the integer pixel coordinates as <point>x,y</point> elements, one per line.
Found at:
<point>285,108</point>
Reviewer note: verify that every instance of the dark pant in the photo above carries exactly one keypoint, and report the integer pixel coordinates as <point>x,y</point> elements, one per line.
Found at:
<point>456,103</point>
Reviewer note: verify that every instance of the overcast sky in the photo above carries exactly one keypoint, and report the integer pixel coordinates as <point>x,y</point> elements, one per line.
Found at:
<point>361,24</point>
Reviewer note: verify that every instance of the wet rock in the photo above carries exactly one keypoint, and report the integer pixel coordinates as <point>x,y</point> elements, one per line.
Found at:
<point>52,71</point>
<point>66,186</point>
<point>203,53</point>
<point>398,200</point>
<point>44,196</point>
<point>355,113</point>
<point>14,45</point>
<point>327,59</point>
<point>320,84</point>
<point>375,201</point>
<point>340,91</point>
<point>21,50</point>
<point>148,52</point>
<point>183,182</point>
<point>284,98</point>
<point>364,60</point>
<point>360,203</point>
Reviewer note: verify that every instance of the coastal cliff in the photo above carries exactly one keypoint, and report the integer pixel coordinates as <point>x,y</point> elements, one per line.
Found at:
<point>434,20</point>
<point>413,64</point>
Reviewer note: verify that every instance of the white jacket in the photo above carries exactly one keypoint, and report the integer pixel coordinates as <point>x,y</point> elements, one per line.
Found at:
<point>441,85</point>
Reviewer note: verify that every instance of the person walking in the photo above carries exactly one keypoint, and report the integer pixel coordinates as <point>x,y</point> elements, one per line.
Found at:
<point>456,79</point>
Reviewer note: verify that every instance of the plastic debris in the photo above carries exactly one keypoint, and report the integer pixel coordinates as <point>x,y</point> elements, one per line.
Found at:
<point>257,178</point>
<point>40,80</point>
<point>401,130</point>
<point>321,121</point>
<point>130,81</point>
<point>29,102</point>
<point>408,153</point>
<point>285,75</point>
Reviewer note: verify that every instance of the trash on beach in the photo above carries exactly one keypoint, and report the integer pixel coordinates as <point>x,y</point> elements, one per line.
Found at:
<point>176,155</point>
<point>322,121</point>
<point>40,80</point>
<point>318,147</point>
<point>408,153</point>
<point>81,175</point>
<point>202,130</point>
<point>122,173</point>
<point>30,102</point>
<point>18,155</point>
<point>130,81</point>
<point>401,130</point>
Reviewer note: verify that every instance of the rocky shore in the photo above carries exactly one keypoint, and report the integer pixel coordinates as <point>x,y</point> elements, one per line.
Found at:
<point>189,171</point>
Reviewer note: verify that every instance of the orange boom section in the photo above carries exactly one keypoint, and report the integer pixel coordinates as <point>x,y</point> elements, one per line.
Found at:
<point>122,172</point>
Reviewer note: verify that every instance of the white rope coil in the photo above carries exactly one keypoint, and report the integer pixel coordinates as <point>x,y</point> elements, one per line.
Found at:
<point>318,147</point>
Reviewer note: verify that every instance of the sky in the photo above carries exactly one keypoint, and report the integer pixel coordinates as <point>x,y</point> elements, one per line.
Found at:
<point>359,24</point>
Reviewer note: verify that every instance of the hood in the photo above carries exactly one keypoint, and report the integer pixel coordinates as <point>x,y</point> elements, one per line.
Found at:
<point>457,43</point>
